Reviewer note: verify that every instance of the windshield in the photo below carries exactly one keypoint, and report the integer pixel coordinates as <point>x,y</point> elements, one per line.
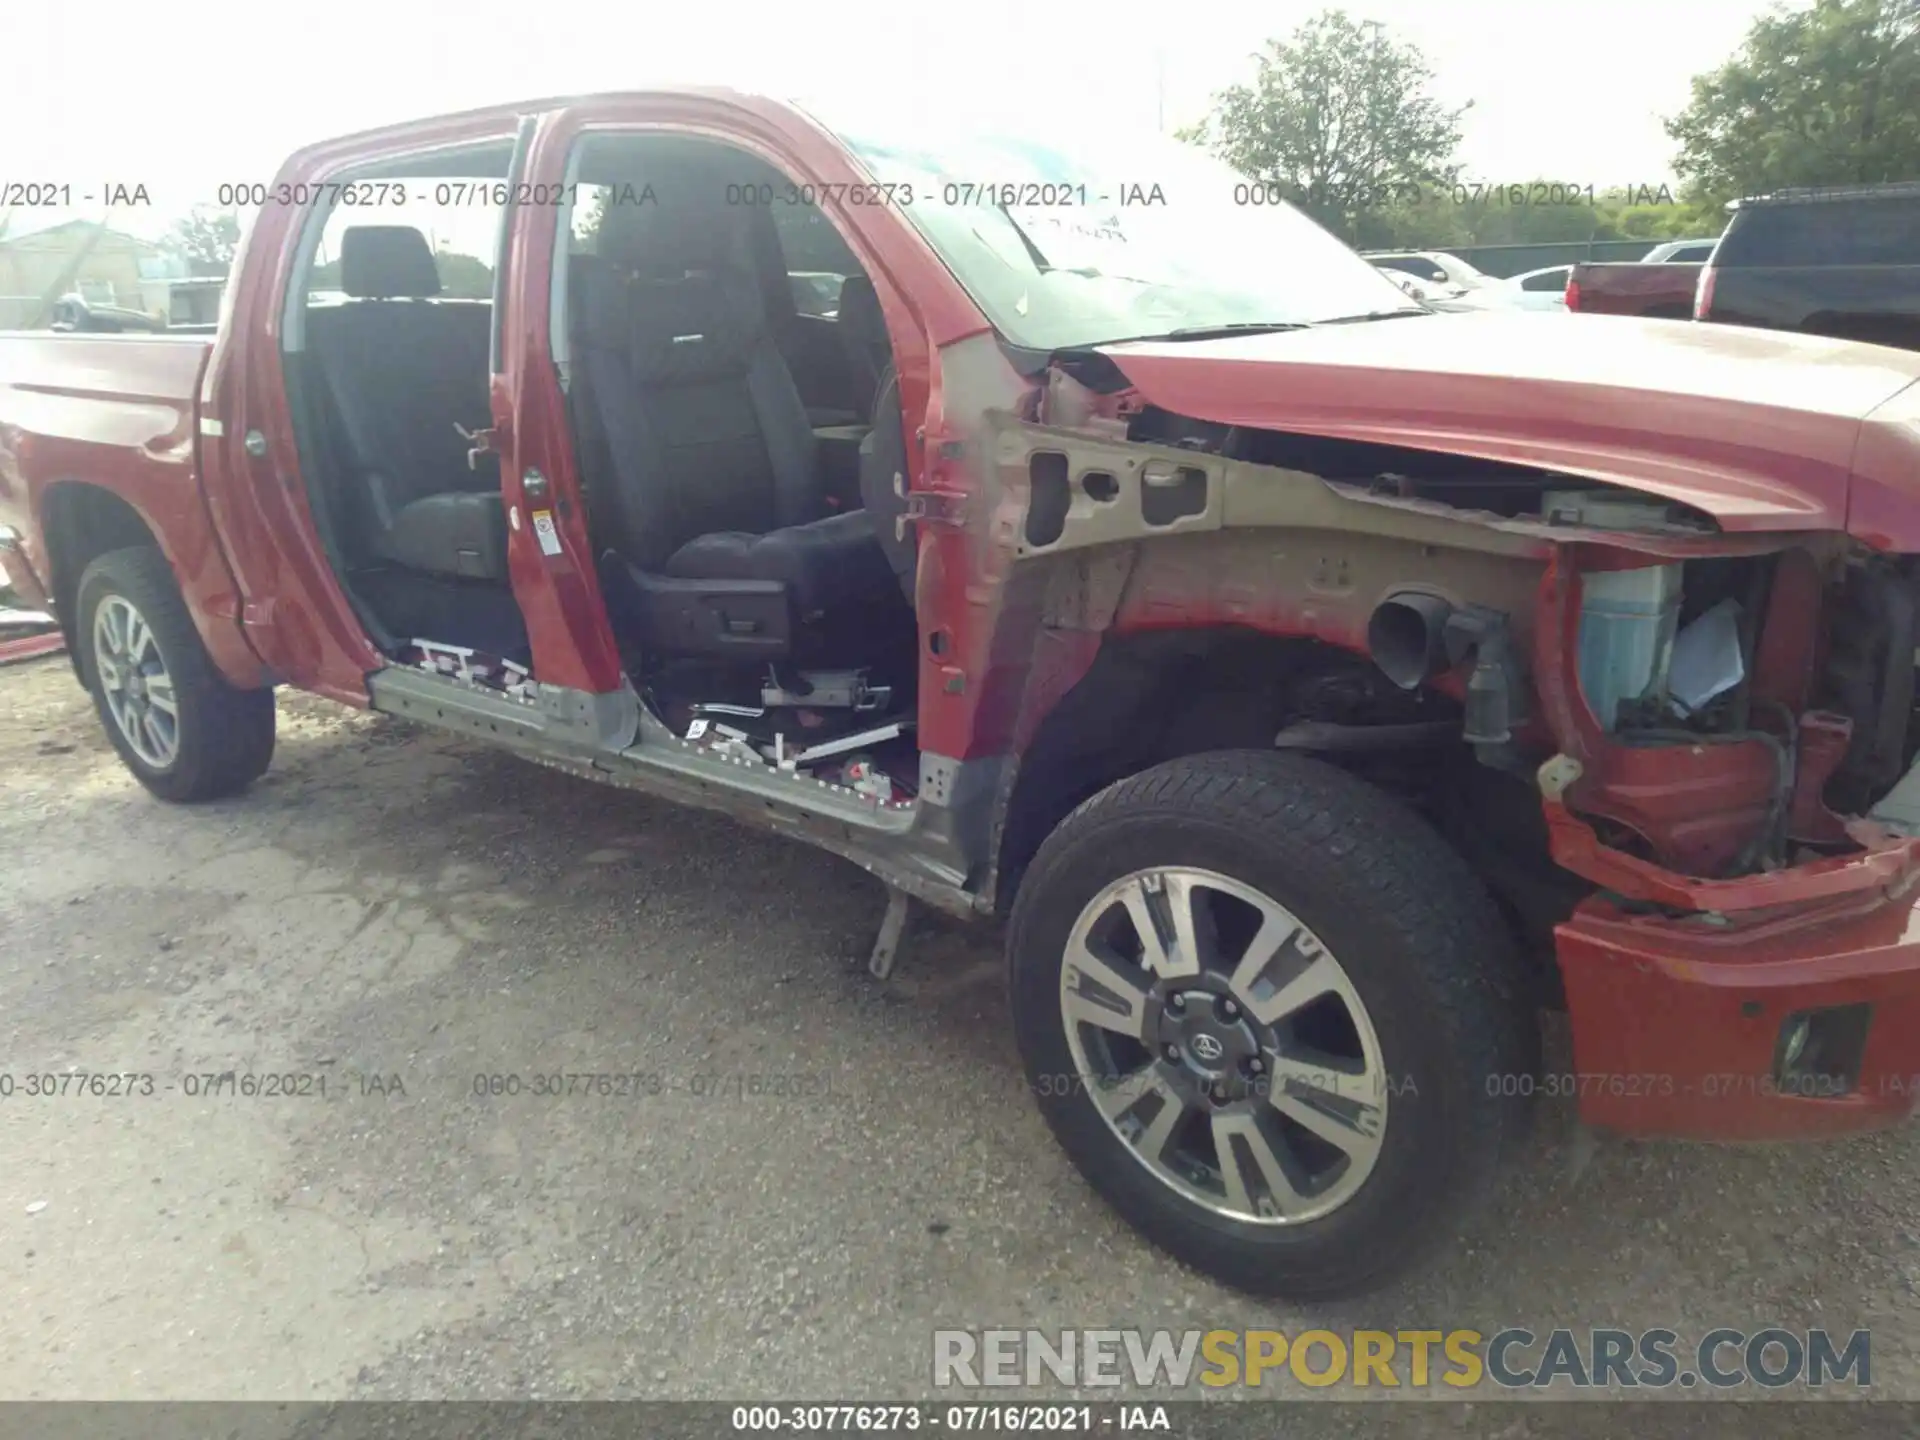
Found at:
<point>1066,248</point>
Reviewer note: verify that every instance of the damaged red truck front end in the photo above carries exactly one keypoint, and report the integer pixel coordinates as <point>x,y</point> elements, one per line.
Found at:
<point>1744,962</point>
<point>1289,664</point>
<point>1777,1002</point>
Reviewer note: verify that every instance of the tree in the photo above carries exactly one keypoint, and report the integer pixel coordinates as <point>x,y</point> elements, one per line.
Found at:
<point>1828,95</point>
<point>206,239</point>
<point>464,277</point>
<point>1339,118</point>
<point>1542,212</point>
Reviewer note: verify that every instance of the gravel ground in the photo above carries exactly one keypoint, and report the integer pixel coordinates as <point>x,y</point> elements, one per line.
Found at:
<point>400,913</point>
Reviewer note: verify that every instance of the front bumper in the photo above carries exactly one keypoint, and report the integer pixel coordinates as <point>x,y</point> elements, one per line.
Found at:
<point>1678,1023</point>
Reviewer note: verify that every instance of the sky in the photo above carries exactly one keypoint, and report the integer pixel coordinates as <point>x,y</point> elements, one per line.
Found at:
<point>180,101</point>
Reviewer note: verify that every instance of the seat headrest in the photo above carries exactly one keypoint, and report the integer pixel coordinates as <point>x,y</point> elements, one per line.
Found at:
<point>689,227</point>
<point>387,262</point>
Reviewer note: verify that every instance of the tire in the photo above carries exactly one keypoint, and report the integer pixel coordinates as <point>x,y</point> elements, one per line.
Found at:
<point>1425,954</point>
<point>220,739</point>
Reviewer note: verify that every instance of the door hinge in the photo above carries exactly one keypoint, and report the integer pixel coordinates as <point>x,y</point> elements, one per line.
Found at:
<point>932,507</point>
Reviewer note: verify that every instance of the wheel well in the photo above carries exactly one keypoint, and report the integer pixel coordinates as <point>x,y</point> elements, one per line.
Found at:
<point>1150,697</point>
<point>1159,695</point>
<point>82,522</point>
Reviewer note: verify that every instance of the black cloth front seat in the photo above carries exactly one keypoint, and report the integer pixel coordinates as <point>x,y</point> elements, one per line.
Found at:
<point>722,539</point>
<point>403,371</point>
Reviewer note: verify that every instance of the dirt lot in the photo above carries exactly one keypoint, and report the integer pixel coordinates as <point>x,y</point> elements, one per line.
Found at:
<point>397,906</point>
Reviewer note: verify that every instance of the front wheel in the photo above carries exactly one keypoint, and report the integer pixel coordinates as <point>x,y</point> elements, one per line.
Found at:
<point>184,732</point>
<point>1272,1017</point>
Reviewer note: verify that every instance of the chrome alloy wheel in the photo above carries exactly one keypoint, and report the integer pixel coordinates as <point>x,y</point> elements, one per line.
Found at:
<point>134,679</point>
<point>1225,1045</point>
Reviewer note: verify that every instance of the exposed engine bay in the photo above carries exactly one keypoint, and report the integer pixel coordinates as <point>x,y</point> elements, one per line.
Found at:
<point>1808,668</point>
<point>1712,705</point>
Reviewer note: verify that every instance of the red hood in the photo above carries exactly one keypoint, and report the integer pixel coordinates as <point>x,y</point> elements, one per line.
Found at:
<point>1756,427</point>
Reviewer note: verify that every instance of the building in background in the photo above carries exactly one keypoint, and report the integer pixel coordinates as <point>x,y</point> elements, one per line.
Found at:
<point>113,268</point>
<point>194,299</point>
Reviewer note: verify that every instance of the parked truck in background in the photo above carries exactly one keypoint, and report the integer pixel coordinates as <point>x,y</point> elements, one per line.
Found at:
<point>1656,290</point>
<point>1658,285</point>
<point>1843,263</point>
<point>1316,684</point>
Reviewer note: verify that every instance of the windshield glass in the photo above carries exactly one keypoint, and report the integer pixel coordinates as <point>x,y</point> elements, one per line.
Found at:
<point>1065,247</point>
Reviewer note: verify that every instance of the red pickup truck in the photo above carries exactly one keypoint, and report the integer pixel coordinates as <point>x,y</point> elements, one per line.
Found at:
<point>1658,290</point>
<point>1317,685</point>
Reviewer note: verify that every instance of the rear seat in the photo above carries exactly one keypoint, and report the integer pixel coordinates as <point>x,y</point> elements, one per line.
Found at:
<point>402,371</point>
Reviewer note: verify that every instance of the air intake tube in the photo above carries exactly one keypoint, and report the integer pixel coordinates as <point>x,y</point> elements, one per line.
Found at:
<point>1415,637</point>
<point>1407,638</point>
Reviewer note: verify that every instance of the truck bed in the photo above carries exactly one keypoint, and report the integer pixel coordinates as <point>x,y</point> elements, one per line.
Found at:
<point>113,409</point>
<point>1663,290</point>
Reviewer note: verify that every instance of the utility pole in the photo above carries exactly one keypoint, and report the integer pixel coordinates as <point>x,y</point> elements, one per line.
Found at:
<point>69,275</point>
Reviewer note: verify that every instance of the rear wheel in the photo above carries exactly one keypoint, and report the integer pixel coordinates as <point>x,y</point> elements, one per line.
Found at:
<point>184,732</point>
<point>1272,1017</point>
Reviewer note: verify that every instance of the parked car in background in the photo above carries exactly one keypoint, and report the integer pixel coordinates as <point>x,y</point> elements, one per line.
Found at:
<point>73,313</point>
<point>1438,272</point>
<point>1659,291</point>
<point>1660,285</point>
<point>1498,296</point>
<point>1843,263</point>
<point>1454,300</point>
<point>1694,251</point>
<point>1540,289</point>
